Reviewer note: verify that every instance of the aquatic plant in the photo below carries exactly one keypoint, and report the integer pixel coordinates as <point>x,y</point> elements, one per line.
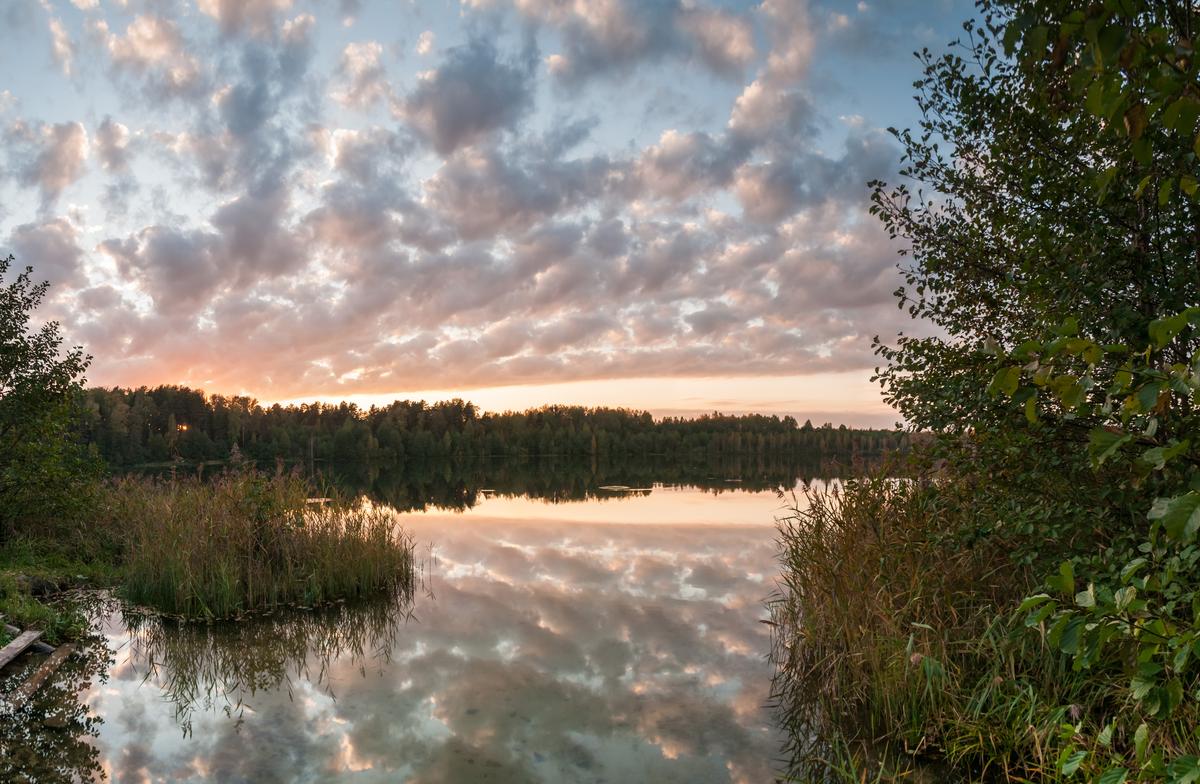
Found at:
<point>892,650</point>
<point>245,541</point>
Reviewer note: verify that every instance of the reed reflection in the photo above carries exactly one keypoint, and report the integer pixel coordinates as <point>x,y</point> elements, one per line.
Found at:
<point>221,666</point>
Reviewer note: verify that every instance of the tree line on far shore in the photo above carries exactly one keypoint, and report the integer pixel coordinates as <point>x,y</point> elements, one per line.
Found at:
<point>151,425</point>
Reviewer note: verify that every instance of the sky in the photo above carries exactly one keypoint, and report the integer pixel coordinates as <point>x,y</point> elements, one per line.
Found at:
<point>659,204</point>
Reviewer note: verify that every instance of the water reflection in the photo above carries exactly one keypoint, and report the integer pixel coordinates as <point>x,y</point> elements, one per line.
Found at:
<point>543,650</point>
<point>52,738</point>
<point>223,666</point>
<point>461,485</point>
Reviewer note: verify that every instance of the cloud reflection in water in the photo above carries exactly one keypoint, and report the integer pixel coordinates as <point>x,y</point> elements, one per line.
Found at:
<point>543,651</point>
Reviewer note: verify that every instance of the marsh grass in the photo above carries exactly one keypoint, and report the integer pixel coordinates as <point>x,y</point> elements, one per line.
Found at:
<point>244,542</point>
<point>896,647</point>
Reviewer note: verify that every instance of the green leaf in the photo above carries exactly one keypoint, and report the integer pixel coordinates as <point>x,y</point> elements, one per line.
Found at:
<point>1180,515</point>
<point>1031,414</point>
<point>1072,763</point>
<point>1103,444</point>
<point>1145,181</point>
<point>1103,182</point>
<point>1113,776</point>
<point>1158,457</point>
<point>1069,643</point>
<point>1165,190</point>
<point>1033,601</point>
<point>1140,738</point>
<point>1035,41</point>
<point>1181,115</point>
<point>1184,770</point>
<point>1064,581</point>
<point>1147,396</point>
<point>1005,381</point>
<point>1144,682</point>
<point>1174,694</point>
<point>1131,569</point>
<point>1164,330</point>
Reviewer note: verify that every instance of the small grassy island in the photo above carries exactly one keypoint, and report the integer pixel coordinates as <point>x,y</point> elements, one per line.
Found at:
<point>1028,607</point>
<point>221,547</point>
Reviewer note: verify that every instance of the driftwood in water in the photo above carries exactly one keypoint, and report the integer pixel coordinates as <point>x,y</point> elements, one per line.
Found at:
<point>18,646</point>
<point>22,693</point>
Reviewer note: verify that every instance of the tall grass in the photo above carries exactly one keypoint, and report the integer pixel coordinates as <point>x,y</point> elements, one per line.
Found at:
<point>895,645</point>
<point>244,541</point>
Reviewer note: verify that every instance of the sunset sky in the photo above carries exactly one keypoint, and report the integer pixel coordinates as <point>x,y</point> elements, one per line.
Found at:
<point>652,203</point>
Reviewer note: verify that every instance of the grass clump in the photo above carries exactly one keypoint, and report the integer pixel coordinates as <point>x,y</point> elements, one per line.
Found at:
<point>902,650</point>
<point>58,621</point>
<point>244,542</point>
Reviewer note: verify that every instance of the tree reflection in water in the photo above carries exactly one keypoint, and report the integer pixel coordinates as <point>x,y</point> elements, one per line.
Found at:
<point>50,738</point>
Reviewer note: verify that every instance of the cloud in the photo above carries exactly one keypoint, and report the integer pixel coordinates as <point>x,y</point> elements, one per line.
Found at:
<point>762,113</point>
<point>61,46</point>
<point>470,96</point>
<point>723,41</point>
<point>482,193</point>
<point>178,269</point>
<point>48,157</point>
<point>617,36</point>
<point>112,145</point>
<point>257,17</point>
<point>183,270</point>
<point>363,78</point>
<point>425,42</point>
<point>51,247</point>
<point>793,42</point>
<point>776,189</point>
<point>153,51</point>
<point>287,213</point>
<point>682,165</point>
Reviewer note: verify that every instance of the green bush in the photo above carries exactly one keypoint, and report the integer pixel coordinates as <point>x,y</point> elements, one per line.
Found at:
<point>1053,249</point>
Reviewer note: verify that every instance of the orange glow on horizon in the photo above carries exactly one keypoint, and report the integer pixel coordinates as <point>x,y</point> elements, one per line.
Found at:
<point>841,398</point>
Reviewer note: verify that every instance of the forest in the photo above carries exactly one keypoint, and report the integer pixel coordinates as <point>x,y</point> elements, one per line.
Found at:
<point>131,427</point>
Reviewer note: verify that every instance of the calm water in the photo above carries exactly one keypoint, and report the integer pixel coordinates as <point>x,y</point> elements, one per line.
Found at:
<point>615,639</point>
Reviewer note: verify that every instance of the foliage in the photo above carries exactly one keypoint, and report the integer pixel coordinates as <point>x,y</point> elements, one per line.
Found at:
<point>1054,245</point>
<point>58,621</point>
<point>134,426</point>
<point>1134,392</point>
<point>41,469</point>
<point>243,542</point>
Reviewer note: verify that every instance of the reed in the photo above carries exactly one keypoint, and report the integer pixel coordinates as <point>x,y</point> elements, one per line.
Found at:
<point>898,654</point>
<point>244,542</point>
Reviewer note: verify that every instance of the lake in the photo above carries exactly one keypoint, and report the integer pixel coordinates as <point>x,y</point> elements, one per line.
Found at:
<point>617,638</point>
